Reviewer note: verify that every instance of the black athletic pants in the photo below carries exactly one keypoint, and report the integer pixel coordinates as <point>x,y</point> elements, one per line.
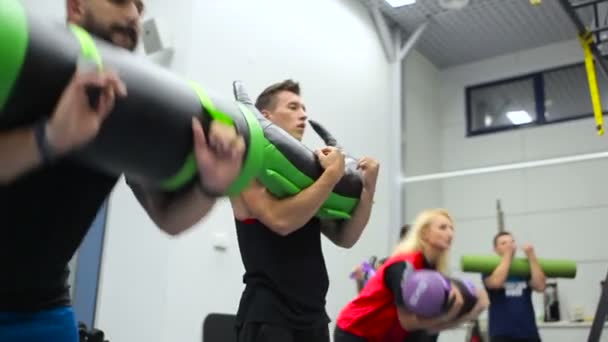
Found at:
<point>511,339</point>
<point>344,336</point>
<point>264,332</point>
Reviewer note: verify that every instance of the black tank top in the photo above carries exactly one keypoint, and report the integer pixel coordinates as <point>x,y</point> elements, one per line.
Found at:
<point>46,214</point>
<point>286,276</point>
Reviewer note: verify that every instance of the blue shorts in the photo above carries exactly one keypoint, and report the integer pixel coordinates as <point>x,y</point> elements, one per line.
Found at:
<point>56,325</point>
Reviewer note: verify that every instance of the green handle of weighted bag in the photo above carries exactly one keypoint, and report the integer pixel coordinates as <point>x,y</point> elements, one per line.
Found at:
<point>13,44</point>
<point>553,268</point>
<point>282,187</point>
<point>246,124</point>
<point>283,179</point>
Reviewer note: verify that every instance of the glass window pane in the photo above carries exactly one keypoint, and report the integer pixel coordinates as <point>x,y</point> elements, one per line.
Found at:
<point>502,105</point>
<point>567,93</point>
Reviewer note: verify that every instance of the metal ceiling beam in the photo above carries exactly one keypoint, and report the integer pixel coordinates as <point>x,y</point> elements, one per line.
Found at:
<point>571,11</point>
<point>412,40</point>
<point>587,3</point>
<point>599,30</point>
<point>396,51</point>
<point>383,31</point>
<point>391,41</point>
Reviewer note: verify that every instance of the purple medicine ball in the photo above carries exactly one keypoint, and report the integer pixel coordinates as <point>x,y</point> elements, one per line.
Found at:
<point>470,287</point>
<point>425,293</point>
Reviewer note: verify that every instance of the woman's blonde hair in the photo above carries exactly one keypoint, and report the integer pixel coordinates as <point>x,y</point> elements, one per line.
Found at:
<point>413,241</point>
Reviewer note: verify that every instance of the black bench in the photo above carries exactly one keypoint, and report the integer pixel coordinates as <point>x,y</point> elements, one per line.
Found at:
<point>219,327</point>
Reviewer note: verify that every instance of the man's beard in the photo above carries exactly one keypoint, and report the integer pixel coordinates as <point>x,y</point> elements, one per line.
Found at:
<point>93,27</point>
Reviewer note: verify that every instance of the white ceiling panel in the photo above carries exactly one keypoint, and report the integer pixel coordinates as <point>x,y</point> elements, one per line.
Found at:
<point>485,28</point>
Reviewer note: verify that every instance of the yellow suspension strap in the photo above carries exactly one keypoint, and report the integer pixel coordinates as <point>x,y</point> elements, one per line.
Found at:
<point>586,40</point>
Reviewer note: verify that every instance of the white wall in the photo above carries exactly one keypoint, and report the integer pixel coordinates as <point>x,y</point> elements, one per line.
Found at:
<point>132,298</point>
<point>557,208</point>
<point>421,139</point>
<point>133,280</point>
<point>160,289</point>
<point>527,144</point>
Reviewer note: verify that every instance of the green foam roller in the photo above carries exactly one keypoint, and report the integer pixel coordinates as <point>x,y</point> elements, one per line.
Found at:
<point>553,268</point>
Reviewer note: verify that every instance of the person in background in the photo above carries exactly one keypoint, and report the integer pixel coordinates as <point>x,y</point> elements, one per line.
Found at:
<point>379,314</point>
<point>280,239</point>
<point>360,276</point>
<point>511,315</point>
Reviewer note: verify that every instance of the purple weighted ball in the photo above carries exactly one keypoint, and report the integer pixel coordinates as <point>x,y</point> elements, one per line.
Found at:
<point>472,290</point>
<point>425,293</point>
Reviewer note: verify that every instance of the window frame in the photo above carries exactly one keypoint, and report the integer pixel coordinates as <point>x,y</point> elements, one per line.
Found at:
<point>537,78</point>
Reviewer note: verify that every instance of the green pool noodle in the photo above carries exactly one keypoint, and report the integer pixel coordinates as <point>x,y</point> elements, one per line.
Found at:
<point>553,268</point>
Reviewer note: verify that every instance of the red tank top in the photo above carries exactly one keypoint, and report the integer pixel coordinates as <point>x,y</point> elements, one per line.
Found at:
<point>373,314</point>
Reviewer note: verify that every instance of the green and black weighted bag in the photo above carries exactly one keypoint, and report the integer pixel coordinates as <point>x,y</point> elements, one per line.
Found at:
<point>289,166</point>
<point>148,134</point>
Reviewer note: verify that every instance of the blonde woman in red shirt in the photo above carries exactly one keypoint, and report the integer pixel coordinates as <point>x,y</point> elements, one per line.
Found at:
<point>378,313</point>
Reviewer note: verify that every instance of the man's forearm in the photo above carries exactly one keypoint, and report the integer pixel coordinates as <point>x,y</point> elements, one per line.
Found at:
<point>449,325</point>
<point>483,301</point>
<point>538,277</point>
<point>410,321</point>
<point>475,312</point>
<point>175,214</point>
<point>18,153</point>
<point>351,230</point>
<point>295,211</point>
<point>500,274</point>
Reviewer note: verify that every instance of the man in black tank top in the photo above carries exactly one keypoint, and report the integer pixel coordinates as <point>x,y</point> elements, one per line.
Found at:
<point>49,200</point>
<point>280,240</point>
